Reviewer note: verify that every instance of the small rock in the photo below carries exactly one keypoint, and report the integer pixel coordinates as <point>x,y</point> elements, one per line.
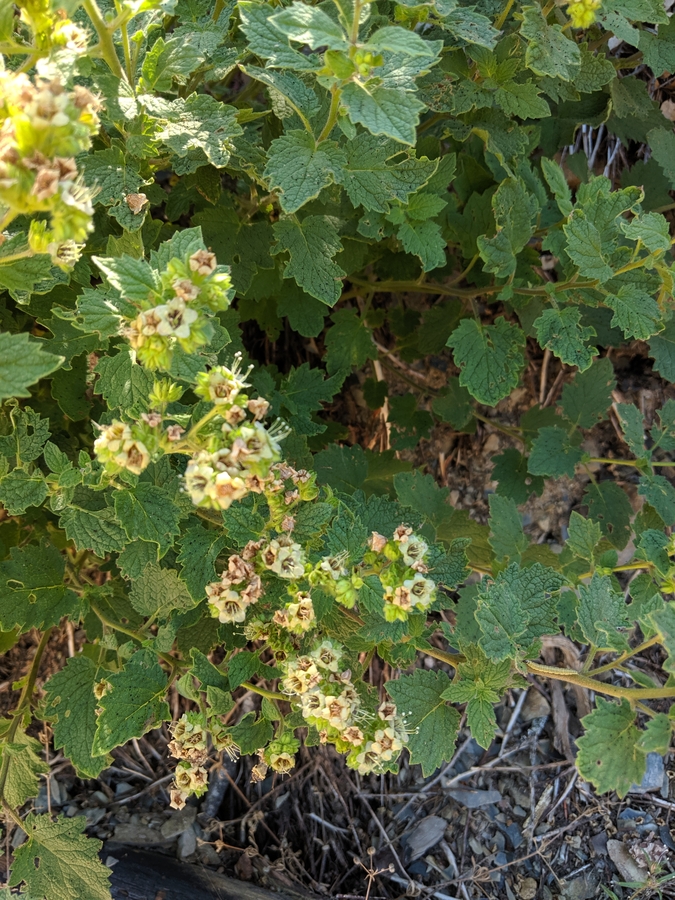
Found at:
<point>474,799</point>
<point>207,855</point>
<point>111,861</point>
<point>187,843</point>
<point>123,787</point>
<point>599,843</point>
<point>98,798</point>
<point>18,838</point>
<point>636,820</point>
<point>653,777</point>
<point>535,706</point>
<point>527,889</point>
<point>71,810</point>
<point>425,835</point>
<point>93,815</point>
<point>179,822</point>
<point>138,835</point>
<point>624,862</point>
<point>582,888</point>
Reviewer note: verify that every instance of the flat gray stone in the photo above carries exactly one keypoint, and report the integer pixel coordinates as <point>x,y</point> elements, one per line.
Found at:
<point>625,864</point>
<point>425,835</point>
<point>179,822</point>
<point>187,843</point>
<point>653,777</point>
<point>474,799</point>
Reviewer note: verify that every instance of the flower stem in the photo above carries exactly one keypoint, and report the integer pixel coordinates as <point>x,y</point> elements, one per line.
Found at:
<point>106,42</point>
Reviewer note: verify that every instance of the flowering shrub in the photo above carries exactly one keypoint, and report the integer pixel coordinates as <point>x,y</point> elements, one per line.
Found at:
<point>172,499</point>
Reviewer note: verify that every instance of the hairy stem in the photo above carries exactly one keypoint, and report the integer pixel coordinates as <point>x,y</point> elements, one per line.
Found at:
<point>107,45</point>
<point>263,692</point>
<point>627,654</point>
<point>332,114</point>
<point>23,704</point>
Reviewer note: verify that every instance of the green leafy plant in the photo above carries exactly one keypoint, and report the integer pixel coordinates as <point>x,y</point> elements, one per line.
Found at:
<point>158,158</point>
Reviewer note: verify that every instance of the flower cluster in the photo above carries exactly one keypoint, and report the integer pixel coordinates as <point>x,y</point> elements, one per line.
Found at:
<point>190,290</point>
<point>330,702</point>
<point>583,12</point>
<point>406,589</point>
<point>238,450</point>
<point>44,128</point>
<point>231,451</point>
<point>239,587</point>
<point>189,746</point>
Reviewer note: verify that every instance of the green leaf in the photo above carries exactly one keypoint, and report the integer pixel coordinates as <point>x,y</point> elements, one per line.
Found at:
<point>455,406</point>
<point>250,735</point>
<point>506,529</point>
<point>556,180</point>
<point>514,209</point>
<point>600,612</point>
<point>24,768</point>
<point>33,594</point>
<point>373,179</point>
<point>289,94</point>
<point>400,40</point>
<point>349,342</point>
<point>517,608</point>
<point>561,332</point>
<point>471,26</point>
<point>424,240</point>
<point>158,592</point>
<point>586,248</point>
<point>265,40</point>
<point>583,536</point>
<point>663,621</point>
<point>632,425</point>
<point>657,735</point>
<point>608,754</point>
<point>660,493</point>
<point>58,862</point>
<point>134,705</point>
<point>662,349</point>
<point>636,313</point>
<point>309,25</point>
<point>549,51</point>
<point>480,686</point>
<point>19,490</point>
<point>71,705</point>
<point>199,550</point>
<point>198,131</point>
<point>343,468</point>
<point>513,479</point>
<point>651,228</point>
<point>111,174</point>
<point>490,358</point>
<point>133,278</point>
<point>22,363</point>
<point>586,399</point>
<point>383,110</point>
<point>122,382</point>
<point>553,454</point>
<point>611,508</point>
<point>300,168</point>
<point>98,529</point>
<point>434,724</point>
<point>167,60</point>
<point>206,672</point>
<point>522,100</point>
<point>312,243</point>
<point>148,513</point>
